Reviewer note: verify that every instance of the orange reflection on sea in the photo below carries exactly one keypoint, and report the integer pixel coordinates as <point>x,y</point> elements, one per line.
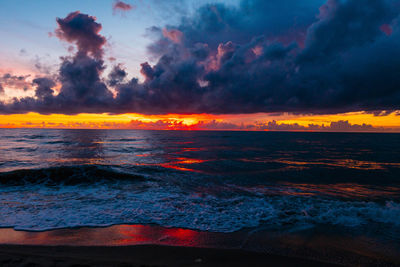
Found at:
<point>348,190</point>
<point>347,163</point>
<point>143,155</point>
<point>86,161</point>
<point>177,164</point>
<point>344,190</point>
<point>342,163</point>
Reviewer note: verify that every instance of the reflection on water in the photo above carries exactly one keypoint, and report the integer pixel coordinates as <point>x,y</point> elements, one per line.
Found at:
<point>145,234</point>
<point>81,147</point>
<point>175,163</point>
<point>111,236</point>
<point>322,244</point>
<point>210,152</point>
<point>214,181</point>
<point>249,159</point>
<point>331,163</point>
<point>348,190</point>
<point>343,163</point>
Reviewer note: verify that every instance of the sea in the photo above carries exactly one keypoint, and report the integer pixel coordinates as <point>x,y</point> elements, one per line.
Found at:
<point>214,181</point>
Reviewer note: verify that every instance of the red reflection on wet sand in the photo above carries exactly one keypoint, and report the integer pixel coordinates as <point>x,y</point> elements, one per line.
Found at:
<point>182,234</point>
<point>134,234</point>
<point>116,235</point>
<point>147,234</point>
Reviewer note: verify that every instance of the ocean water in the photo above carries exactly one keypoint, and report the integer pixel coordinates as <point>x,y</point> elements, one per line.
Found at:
<point>209,181</point>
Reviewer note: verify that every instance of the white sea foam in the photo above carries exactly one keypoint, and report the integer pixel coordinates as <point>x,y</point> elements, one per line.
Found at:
<point>42,208</point>
<point>202,180</point>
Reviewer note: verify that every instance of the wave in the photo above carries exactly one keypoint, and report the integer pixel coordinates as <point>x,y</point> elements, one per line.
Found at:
<point>94,197</point>
<point>48,208</point>
<point>67,175</point>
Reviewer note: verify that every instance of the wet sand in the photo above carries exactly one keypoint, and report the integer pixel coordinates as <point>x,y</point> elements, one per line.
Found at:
<point>141,255</point>
<point>149,245</point>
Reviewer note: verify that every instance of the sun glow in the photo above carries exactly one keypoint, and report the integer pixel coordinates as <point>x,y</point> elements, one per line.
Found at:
<point>106,121</point>
<point>391,120</point>
<point>188,122</point>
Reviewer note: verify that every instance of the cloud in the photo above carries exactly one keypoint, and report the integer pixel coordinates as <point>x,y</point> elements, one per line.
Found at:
<point>82,88</point>
<point>221,125</point>
<point>309,58</point>
<point>208,125</point>
<point>173,35</point>
<point>117,75</point>
<point>345,24</point>
<point>121,6</point>
<point>44,87</point>
<point>18,82</point>
<point>83,30</point>
<point>337,126</point>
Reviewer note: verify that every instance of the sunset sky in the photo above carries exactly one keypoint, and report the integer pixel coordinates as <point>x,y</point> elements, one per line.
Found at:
<point>289,65</point>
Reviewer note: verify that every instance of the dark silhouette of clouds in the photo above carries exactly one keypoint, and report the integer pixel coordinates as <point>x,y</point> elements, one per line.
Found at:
<point>335,126</point>
<point>117,75</point>
<point>43,89</point>
<point>263,56</point>
<point>82,88</point>
<point>83,30</point>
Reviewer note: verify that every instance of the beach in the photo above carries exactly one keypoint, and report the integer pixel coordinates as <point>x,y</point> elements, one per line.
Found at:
<point>149,245</point>
<point>143,255</point>
<point>154,198</point>
<point>199,133</point>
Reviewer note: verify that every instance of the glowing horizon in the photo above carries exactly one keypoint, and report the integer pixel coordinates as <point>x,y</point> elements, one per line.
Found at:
<point>250,122</point>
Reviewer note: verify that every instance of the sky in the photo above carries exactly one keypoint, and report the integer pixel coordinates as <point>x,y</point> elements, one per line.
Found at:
<point>287,65</point>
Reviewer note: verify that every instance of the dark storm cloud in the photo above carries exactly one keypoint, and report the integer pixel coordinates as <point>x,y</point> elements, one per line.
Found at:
<point>229,60</point>
<point>83,30</point>
<point>44,87</point>
<point>346,24</point>
<point>117,75</point>
<point>214,24</point>
<point>82,88</point>
<point>263,56</point>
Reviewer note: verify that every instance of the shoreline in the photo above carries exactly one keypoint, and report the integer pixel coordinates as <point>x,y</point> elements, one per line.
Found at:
<point>141,255</point>
<point>248,246</point>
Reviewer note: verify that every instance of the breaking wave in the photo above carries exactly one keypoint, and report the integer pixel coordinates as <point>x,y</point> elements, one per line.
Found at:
<point>68,175</point>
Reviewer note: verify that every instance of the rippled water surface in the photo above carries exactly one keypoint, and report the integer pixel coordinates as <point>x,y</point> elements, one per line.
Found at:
<point>214,181</point>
